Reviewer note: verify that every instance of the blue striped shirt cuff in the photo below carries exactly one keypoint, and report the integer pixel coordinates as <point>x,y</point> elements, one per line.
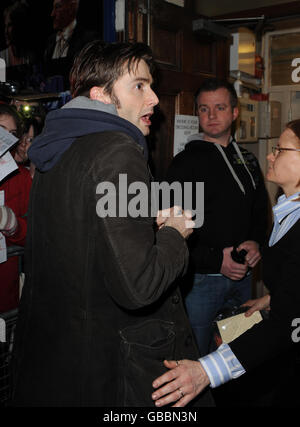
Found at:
<point>221,366</point>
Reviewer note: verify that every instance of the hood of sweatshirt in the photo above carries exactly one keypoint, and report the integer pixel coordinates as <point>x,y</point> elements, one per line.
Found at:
<point>81,116</point>
<point>197,141</point>
<point>196,137</point>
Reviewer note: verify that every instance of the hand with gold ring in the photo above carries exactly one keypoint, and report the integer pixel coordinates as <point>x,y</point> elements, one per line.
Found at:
<point>188,375</point>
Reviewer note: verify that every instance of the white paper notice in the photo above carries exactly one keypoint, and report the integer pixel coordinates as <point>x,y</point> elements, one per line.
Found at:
<point>177,2</point>
<point>7,140</point>
<point>184,127</point>
<point>7,165</point>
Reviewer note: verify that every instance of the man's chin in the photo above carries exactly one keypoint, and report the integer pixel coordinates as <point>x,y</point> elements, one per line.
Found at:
<point>145,130</point>
<point>217,135</point>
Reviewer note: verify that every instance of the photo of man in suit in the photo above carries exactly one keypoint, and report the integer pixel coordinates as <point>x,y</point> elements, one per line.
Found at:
<point>68,37</point>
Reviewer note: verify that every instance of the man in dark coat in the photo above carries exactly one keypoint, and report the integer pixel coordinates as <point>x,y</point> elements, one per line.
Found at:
<point>100,308</point>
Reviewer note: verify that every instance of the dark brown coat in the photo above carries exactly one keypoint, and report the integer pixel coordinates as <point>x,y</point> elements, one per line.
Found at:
<point>101,309</point>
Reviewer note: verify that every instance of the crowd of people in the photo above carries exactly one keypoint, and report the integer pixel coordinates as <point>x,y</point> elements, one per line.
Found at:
<point>124,292</point>
<point>15,190</point>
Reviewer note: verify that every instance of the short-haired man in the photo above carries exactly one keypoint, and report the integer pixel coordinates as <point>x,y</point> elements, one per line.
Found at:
<point>100,309</point>
<point>235,209</point>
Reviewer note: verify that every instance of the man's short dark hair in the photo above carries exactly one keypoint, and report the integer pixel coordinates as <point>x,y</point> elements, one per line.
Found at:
<point>101,64</point>
<point>211,85</point>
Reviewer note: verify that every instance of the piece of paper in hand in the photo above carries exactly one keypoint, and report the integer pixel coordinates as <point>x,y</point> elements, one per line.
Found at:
<point>232,327</point>
<point>3,250</point>
<point>7,140</point>
<point>7,165</point>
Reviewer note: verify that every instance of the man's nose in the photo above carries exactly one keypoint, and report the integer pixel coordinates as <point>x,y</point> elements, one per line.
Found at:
<point>153,98</point>
<point>211,113</point>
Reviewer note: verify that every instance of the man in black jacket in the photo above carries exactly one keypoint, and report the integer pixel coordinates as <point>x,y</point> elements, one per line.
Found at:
<point>235,210</point>
<point>100,308</point>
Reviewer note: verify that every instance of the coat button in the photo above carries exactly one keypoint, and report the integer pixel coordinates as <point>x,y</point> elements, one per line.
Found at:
<point>175,299</point>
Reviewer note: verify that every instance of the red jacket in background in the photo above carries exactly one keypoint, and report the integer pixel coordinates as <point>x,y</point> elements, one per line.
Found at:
<point>16,194</point>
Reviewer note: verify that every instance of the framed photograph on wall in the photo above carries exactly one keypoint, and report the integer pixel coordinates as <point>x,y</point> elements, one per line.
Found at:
<point>39,39</point>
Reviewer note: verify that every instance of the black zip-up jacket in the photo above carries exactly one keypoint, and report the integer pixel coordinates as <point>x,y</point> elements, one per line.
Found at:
<point>230,216</point>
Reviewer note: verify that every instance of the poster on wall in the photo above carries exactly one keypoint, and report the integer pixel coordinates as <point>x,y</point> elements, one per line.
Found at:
<point>41,38</point>
<point>176,2</point>
<point>184,126</point>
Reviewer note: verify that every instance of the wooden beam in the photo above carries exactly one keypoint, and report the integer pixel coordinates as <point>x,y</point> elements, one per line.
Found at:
<point>279,10</point>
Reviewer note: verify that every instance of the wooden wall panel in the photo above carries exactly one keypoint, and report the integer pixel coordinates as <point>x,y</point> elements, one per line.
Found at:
<point>168,57</point>
<point>186,104</point>
<point>160,143</point>
<point>184,60</point>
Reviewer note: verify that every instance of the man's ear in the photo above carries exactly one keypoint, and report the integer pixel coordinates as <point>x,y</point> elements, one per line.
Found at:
<point>235,113</point>
<point>98,93</point>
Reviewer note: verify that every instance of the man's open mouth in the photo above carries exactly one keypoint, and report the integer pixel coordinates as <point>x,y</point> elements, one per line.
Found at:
<point>147,118</point>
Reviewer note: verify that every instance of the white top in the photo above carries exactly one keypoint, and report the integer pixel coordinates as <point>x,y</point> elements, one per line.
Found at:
<point>62,41</point>
<point>286,214</point>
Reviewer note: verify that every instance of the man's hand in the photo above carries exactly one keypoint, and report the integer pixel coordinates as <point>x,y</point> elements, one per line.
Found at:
<point>177,218</point>
<point>185,380</point>
<point>230,268</point>
<point>257,304</point>
<point>253,254</point>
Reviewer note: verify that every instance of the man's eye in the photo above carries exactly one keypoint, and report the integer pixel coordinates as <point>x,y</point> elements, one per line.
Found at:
<point>203,109</point>
<point>220,108</point>
<point>139,85</point>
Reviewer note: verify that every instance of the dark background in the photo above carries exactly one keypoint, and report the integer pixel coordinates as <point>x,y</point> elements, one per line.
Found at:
<point>36,30</point>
